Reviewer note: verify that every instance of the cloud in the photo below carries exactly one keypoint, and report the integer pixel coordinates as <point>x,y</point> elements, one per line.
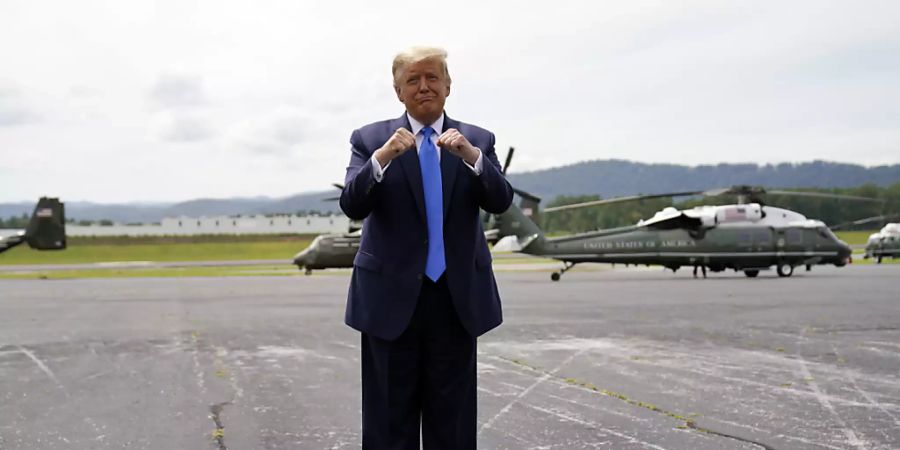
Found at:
<point>276,133</point>
<point>284,83</point>
<point>186,129</point>
<point>173,95</point>
<point>12,109</point>
<point>178,91</point>
<point>82,92</point>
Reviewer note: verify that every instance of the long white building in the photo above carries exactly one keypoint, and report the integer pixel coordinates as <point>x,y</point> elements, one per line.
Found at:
<point>220,225</point>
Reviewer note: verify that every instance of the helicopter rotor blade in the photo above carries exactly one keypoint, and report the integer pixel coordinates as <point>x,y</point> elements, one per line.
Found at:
<point>339,186</point>
<point>630,198</point>
<point>718,191</point>
<point>866,220</point>
<point>527,195</point>
<point>750,191</point>
<point>826,195</point>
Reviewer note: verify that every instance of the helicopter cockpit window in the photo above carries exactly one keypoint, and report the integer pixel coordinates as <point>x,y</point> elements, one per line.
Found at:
<point>827,234</point>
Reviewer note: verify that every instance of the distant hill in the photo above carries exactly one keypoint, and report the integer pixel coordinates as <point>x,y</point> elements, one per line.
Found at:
<point>135,212</point>
<point>614,178</point>
<point>607,178</point>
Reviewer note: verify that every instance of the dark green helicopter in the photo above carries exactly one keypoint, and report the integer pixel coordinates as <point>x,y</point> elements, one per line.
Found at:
<point>333,250</point>
<point>747,236</point>
<point>45,231</point>
<point>337,250</point>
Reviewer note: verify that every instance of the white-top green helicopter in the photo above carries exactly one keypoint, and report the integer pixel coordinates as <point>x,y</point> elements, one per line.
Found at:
<point>748,236</point>
<point>884,244</point>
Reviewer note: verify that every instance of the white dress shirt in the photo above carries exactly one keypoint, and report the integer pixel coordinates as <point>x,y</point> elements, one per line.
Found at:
<point>416,128</point>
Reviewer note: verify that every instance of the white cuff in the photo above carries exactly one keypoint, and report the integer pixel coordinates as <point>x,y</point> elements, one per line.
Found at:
<point>377,170</point>
<point>479,163</point>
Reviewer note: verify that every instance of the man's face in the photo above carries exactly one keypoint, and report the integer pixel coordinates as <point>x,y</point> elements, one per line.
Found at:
<point>423,87</point>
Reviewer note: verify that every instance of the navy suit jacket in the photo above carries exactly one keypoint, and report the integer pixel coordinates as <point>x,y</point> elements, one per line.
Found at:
<point>389,268</point>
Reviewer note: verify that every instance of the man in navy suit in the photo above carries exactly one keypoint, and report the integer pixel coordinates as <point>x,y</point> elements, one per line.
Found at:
<point>422,288</point>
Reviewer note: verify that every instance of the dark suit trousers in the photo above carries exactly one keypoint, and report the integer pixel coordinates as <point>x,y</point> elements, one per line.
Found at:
<point>427,375</point>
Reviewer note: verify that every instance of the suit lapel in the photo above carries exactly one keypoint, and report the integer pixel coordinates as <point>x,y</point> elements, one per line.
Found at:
<point>449,164</point>
<point>409,161</point>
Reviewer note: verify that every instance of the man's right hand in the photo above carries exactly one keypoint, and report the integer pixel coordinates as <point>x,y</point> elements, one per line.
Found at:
<point>401,141</point>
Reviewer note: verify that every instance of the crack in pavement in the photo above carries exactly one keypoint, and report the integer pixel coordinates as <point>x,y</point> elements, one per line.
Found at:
<point>693,425</point>
<point>688,422</point>
<point>219,433</point>
<point>221,371</point>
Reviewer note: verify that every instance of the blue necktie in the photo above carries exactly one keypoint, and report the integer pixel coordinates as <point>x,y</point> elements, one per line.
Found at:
<point>434,205</point>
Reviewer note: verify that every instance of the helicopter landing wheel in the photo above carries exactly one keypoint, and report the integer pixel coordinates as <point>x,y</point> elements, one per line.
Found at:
<point>307,272</point>
<point>878,261</point>
<point>555,276</point>
<point>784,269</point>
<point>751,273</point>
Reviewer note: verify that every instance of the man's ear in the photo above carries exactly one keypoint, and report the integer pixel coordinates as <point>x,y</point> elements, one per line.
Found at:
<point>397,91</point>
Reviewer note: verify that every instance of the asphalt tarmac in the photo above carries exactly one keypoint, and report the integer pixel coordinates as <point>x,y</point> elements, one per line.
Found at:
<point>618,359</point>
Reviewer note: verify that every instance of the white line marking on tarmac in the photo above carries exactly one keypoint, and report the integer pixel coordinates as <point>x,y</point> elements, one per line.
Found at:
<point>778,360</point>
<point>807,441</point>
<point>881,351</point>
<point>887,344</point>
<point>195,358</point>
<point>823,400</point>
<point>866,395</point>
<point>596,426</point>
<point>528,390</point>
<point>592,406</point>
<point>490,392</point>
<point>41,364</point>
<point>222,352</point>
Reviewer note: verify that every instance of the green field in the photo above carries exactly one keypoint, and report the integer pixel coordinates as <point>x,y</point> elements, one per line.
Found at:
<point>166,272</point>
<point>213,248</point>
<point>855,237</point>
<point>81,251</point>
<point>199,248</point>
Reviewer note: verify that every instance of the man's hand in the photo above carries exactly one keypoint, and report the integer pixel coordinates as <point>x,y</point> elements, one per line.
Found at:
<point>401,141</point>
<point>456,143</point>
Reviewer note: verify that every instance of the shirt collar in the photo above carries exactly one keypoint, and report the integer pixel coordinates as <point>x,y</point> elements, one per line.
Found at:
<point>417,126</point>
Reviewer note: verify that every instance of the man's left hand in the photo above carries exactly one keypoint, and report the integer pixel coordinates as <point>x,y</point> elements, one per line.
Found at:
<point>456,143</point>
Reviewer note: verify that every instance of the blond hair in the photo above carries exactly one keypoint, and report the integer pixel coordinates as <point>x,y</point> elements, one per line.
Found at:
<point>416,54</point>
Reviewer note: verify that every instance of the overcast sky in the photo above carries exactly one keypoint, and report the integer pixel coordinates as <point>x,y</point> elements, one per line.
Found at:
<point>163,101</point>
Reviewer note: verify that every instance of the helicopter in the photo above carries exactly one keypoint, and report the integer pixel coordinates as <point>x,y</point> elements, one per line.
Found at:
<point>748,236</point>
<point>885,243</point>
<point>333,250</point>
<point>337,250</point>
<point>46,230</point>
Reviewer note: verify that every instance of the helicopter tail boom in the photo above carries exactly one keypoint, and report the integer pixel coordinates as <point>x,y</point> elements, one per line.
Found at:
<point>519,221</point>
